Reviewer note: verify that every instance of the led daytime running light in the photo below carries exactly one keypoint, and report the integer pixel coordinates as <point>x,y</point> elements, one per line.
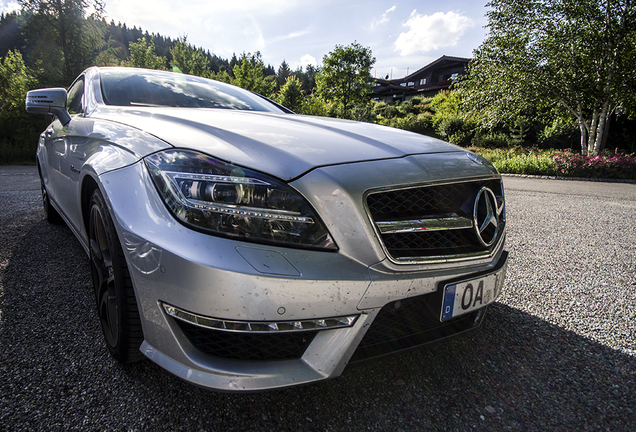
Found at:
<point>247,211</point>
<point>260,327</point>
<point>216,178</point>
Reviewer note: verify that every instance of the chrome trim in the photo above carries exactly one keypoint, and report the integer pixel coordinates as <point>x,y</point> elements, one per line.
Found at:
<point>449,258</point>
<point>444,259</point>
<point>433,224</point>
<point>260,327</point>
<point>431,183</point>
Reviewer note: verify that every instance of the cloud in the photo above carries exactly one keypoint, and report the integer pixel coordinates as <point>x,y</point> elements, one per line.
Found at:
<point>223,27</point>
<point>292,35</point>
<point>9,6</point>
<point>230,10</point>
<point>305,61</point>
<point>430,32</point>
<point>385,18</point>
<point>254,33</point>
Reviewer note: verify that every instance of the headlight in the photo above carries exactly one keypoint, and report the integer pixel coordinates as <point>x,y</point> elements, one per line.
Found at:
<point>220,198</point>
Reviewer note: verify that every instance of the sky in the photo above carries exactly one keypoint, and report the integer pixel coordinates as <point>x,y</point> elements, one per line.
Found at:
<point>403,35</point>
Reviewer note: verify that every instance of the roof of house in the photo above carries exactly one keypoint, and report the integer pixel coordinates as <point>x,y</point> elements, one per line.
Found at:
<point>440,61</point>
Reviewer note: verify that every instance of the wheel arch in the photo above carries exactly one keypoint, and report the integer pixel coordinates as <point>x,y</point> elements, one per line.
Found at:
<point>89,185</point>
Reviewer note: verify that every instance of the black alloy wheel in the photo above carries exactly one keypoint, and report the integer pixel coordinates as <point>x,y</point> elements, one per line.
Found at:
<point>116,304</point>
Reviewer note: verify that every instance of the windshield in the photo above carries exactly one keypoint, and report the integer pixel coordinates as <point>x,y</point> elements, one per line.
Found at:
<point>142,87</point>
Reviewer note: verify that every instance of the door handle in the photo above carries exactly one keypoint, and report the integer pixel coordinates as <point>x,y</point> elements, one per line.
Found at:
<point>49,132</point>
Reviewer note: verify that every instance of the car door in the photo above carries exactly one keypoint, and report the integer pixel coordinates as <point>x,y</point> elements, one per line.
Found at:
<point>66,154</point>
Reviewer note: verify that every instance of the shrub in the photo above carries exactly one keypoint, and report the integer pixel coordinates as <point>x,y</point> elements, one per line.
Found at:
<point>491,140</point>
<point>314,106</point>
<point>416,105</point>
<point>392,111</point>
<point>364,113</point>
<point>17,154</point>
<point>455,128</point>
<point>519,131</point>
<point>559,134</point>
<point>603,166</point>
<point>422,123</point>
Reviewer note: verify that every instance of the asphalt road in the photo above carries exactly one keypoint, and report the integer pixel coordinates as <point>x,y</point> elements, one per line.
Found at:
<point>556,352</point>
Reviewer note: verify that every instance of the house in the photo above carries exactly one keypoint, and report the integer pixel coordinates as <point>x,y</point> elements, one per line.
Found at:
<point>427,81</point>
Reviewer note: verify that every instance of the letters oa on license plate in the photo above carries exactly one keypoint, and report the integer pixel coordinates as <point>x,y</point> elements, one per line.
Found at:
<point>463,297</point>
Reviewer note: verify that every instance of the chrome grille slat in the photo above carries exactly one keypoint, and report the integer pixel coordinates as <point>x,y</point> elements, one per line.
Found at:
<point>432,224</point>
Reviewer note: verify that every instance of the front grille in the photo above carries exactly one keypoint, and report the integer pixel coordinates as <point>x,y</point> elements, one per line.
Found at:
<point>425,203</point>
<point>247,346</point>
<point>410,323</point>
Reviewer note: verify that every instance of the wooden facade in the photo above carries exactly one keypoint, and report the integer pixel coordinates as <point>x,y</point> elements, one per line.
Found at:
<point>427,81</point>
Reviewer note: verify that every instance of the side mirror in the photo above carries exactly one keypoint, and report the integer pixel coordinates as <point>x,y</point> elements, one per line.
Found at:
<point>48,101</point>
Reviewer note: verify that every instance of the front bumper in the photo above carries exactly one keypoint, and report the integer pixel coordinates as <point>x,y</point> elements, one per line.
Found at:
<point>230,281</point>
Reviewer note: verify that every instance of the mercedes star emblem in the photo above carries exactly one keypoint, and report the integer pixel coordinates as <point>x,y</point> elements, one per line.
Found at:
<point>486,216</point>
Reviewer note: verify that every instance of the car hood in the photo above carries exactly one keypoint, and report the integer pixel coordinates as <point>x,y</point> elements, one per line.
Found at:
<point>283,145</point>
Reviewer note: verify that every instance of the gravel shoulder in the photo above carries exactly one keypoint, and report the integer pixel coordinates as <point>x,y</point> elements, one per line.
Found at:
<point>556,352</point>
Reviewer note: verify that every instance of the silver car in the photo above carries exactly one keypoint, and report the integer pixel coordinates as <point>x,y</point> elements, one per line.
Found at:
<point>243,247</point>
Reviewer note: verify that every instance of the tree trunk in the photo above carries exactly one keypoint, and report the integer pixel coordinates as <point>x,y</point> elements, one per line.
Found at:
<point>583,137</point>
<point>591,139</point>
<point>607,129</point>
<point>578,113</point>
<point>600,135</point>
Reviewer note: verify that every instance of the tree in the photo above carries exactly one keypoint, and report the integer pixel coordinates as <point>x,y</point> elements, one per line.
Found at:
<point>15,81</point>
<point>291,94</point>
<point>108,54</point>
<point>249,74</point>
<point>11,37</point>
<point>345,77</point>
<point>18,130</point>
<point>60,31</point>
<point>579,54</point>
<point>283,73</point>
<point>222,76</point>
<point>314,106</point>
<point>307,78</point>
<point>142,55</point>
<point>188,59</point>
<point>233,62</point>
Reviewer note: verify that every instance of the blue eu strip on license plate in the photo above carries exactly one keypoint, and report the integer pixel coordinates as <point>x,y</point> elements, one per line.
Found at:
<point>449,302</point>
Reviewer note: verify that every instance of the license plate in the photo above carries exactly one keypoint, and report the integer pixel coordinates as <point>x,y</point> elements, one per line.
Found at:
<point>463,297</point>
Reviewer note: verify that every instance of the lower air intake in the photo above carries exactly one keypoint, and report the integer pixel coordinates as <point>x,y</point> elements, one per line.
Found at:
<point>247,346</point>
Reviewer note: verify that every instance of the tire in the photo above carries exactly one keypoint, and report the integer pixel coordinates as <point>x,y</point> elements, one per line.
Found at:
<point>52,216</point>
<point>114,292</point>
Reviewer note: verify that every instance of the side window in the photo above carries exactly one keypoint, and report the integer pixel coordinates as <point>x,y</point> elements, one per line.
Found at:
<point>75,97</point>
